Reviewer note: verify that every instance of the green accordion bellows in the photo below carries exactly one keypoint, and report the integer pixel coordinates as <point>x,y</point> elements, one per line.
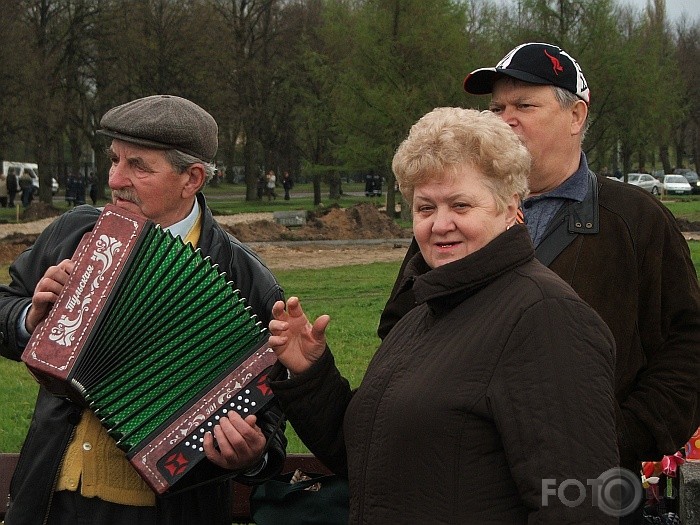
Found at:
<point>149,335</point>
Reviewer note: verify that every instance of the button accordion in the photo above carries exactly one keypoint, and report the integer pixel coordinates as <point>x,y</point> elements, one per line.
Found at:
<point>149,335</point>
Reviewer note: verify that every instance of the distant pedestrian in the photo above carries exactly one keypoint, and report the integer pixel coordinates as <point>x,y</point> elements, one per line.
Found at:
<point>261,186</point>
<point>79,190</point>
<point>369,185</point>
<point>12,186</point>
<point>373,184</point>
<point>271,182</point>
<point>70,190</point>
<point>287,184</point>
<point>3,190</point>
<point>92,187</point>
<point>25,184</point>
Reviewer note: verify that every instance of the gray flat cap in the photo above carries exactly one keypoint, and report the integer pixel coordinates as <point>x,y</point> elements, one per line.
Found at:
<point>164,122</point>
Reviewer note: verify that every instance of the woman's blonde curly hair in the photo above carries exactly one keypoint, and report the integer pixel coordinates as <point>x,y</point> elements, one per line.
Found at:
<point>446,140</point>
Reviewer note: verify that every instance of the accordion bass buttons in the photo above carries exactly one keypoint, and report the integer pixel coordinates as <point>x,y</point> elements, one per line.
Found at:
<point>87,446</point>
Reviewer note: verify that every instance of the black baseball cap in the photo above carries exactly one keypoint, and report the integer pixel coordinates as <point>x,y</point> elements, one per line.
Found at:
<point>534,62</point>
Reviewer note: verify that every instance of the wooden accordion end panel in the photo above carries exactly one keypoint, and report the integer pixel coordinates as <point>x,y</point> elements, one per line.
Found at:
<point>150,336</point>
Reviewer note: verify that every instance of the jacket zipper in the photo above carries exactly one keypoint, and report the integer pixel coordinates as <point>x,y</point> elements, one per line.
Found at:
<point>57,475</point>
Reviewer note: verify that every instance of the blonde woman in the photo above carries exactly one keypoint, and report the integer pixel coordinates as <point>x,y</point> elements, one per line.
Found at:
<point>495,389</point>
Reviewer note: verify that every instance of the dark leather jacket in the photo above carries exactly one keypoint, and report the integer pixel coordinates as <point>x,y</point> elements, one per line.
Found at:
<point>621,250</point>
<point>54,419</point>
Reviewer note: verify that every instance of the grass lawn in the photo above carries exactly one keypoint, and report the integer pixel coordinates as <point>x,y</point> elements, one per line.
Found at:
<point>695,255</point>
<point>685,207</point>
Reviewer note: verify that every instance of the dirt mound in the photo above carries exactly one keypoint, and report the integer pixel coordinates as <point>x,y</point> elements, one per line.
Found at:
<point>362,221</point>
<point>39,210</point>
<point>12,245</point>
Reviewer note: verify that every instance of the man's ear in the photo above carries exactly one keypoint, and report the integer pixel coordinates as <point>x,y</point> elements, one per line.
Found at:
<point>579,112</point>
<point>196,178</point>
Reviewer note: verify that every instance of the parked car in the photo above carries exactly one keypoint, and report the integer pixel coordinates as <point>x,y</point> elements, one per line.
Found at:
<point>691,176</point>
<point>676,185</point>
<point>645,181</point>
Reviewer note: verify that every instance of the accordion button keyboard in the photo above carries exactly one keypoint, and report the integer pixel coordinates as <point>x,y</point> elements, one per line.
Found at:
<point>184,455</point>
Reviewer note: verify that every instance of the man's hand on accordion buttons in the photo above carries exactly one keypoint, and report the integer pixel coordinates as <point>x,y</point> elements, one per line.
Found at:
<point>297,343</point>
<point>46,293</point>
<point>239,442</point>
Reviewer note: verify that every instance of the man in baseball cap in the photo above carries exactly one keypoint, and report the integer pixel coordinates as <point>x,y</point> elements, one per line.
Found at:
<point>541,76</point>
<point>612,242</point>
<point>161,153</point>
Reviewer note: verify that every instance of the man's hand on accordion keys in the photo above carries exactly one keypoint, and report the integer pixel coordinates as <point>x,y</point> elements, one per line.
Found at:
<point>239,442</point>
<point>46,293</point>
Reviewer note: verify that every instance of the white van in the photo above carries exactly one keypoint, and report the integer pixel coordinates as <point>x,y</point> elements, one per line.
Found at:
<point>19,167</point>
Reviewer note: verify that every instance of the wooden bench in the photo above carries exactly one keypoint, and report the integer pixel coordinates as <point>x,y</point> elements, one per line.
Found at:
<point>241,493</point>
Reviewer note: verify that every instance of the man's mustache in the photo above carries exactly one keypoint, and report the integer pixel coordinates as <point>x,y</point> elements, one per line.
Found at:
<point>126,195</point>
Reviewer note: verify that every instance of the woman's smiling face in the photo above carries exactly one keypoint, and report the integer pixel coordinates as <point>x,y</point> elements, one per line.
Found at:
<point>456,215</point>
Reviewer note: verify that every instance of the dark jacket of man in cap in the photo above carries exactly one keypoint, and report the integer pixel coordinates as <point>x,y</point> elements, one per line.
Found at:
<point>54,421</point>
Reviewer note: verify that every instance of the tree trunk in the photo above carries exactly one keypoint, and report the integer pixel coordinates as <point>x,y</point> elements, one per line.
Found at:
<point>43,157</point>
<point>696,148</point>
<point>316,177</point>
<point>334,185</point>
<point>665,158</point>
<point>250,172</point>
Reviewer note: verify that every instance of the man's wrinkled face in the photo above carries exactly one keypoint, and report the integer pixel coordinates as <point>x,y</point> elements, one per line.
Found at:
<point>548,131</point>
<point>143,181</point>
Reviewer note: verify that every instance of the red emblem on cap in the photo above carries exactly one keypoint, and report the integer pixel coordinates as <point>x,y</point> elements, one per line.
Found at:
<point>556,65</point>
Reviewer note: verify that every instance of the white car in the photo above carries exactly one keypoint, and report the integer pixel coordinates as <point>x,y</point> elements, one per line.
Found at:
<point>676,185</point>
<point>645,181</point>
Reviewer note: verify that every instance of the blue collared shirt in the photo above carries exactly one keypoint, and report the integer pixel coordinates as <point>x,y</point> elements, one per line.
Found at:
<point>541,209</point>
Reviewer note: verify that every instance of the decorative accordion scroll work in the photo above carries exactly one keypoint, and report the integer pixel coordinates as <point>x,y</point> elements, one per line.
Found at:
<point>149,335</point>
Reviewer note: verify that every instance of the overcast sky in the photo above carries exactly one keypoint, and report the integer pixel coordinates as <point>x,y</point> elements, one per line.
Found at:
<point>675,9</point>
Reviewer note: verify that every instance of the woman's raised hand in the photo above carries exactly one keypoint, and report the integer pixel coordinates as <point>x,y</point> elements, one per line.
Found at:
<point>296,342</point>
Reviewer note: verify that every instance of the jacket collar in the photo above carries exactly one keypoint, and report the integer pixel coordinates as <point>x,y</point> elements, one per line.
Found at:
<point>583,216</point>
<point>206,236</point>
<point>573,219</point>
<point>451,283</point>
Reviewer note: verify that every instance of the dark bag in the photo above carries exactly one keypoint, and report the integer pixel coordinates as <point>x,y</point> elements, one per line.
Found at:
<point>322,499</point>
